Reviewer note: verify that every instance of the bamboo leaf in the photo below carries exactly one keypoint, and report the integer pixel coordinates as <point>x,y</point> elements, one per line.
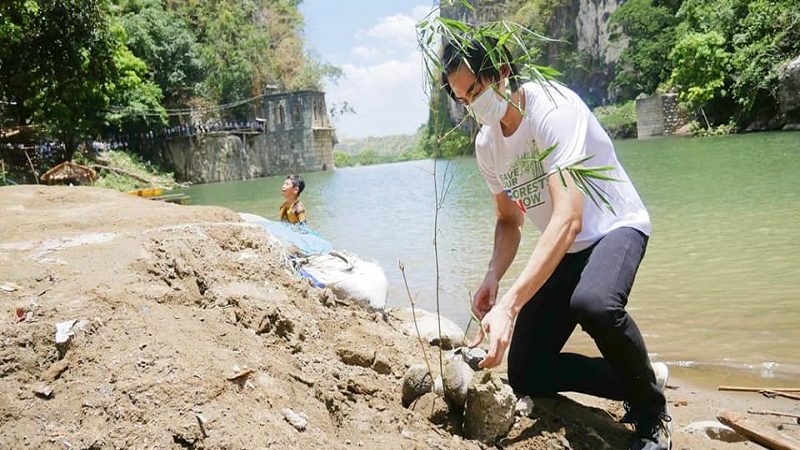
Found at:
<point>546,152</point>
<point>561,175</point>
<point>467,5</point>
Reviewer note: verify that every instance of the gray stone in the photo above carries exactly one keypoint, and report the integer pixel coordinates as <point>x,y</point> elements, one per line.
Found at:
<point>789,89</point>
<point>432,407</point>
<point>428,324</point>
<point>298,421</point>
<point>457,377</point>
<point>489,412</point>
<point>524,407</point>
<point>713,430</point>
<point>416,383</point>
<point>472,356</point>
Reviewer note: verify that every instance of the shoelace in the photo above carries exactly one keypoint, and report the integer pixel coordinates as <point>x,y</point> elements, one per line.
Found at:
<point>662,423</point>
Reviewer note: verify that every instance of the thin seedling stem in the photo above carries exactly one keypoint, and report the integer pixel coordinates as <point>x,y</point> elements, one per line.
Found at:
<point>414,316</point>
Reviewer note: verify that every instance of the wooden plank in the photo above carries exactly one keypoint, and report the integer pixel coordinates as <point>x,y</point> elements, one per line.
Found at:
<point>756,389</point>
<point>758,434</point>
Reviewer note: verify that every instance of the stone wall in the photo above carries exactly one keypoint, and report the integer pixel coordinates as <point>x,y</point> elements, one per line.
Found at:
<point>297,136</point>
<point>659,115</point>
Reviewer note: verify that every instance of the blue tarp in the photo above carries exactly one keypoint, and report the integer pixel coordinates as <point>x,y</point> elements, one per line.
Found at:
<point>308,241</point>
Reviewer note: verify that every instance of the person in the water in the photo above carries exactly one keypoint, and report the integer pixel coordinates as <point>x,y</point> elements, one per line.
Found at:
<point>292,209</point>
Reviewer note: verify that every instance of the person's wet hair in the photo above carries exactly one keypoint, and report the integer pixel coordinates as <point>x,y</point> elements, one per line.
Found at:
<point>297,182</point>
<point>477,56</point>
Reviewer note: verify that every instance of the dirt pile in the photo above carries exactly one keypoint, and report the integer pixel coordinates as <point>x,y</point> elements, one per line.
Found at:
<point>187,332</point>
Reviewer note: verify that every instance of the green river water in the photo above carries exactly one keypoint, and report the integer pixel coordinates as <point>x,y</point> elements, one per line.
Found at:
<point>717,295</point>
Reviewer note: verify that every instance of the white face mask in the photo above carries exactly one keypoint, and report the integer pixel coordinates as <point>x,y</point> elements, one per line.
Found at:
<point>489,107</point>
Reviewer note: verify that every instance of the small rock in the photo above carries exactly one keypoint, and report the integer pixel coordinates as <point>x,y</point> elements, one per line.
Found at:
<point>438,386</point>
<point>298,421</point>
<point>43,390</point>
<point>524,407</point>
<point>471,356</point>
<point>356,356</point>
<point>457,376</point>
<point>432,407</point>
<point>416,383</point>
<point>9,287</point>
<point>713,430</point>
<point>489,411</point>
<point>381,365</point>
<point>428,325</point>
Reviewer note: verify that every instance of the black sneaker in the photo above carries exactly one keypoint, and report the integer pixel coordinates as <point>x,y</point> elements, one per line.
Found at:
<point>653,432</point>
<point>662,375</point>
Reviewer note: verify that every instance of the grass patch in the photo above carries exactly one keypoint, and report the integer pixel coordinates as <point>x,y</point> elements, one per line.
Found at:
<point>132,172</point>
<point>619,121</point>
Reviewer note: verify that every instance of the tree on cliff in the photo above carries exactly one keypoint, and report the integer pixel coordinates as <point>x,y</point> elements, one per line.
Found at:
<point>81,68</point>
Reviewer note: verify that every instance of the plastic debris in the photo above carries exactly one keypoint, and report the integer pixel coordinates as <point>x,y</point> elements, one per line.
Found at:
<point>64,331</point>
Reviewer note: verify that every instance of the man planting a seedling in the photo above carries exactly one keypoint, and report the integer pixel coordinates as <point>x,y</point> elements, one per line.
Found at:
<point>544,155</point>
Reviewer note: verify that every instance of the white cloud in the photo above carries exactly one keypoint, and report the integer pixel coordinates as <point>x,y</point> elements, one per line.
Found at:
<point>397,30</point>
<point>365,52</point>
<point>384,82</point>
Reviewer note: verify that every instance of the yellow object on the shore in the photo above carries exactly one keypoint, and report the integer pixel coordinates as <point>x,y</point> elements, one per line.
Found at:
<point>149,192</point>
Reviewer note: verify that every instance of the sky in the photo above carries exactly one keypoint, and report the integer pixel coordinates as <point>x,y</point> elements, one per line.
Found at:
<point>374,43</point>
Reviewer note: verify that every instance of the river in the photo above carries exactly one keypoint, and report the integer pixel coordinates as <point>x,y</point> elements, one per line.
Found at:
<point>717,295</point>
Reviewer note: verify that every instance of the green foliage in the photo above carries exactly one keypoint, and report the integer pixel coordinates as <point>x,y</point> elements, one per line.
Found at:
<point>341,159</point>
<point>618,120</point>
<point>650,28</point>
<point>166,44</point>
<point>699,130</point>
<point>454,143</point>
<point>79,68</point>
<point>132,164</point>
<point>56,57</point>
<point>725,56</point>
<point>379,150</point>
<point>701,67</point>
<point>140,98</point>
<point>766,37</point>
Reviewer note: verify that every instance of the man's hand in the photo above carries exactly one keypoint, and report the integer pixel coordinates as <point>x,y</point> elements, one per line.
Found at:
<point>485,296</point>
<point>499,325</point>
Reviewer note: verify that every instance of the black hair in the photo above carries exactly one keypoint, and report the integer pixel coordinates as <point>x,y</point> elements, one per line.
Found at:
<point>297,182</point>
<point>476,54</point>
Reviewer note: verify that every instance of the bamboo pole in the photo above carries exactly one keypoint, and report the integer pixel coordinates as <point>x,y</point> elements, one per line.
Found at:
<point>33,171</point>
<point>768,438</point>
<point>756,389</point>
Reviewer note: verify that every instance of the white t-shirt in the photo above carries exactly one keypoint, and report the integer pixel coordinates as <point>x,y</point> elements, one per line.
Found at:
<point>556,115</point>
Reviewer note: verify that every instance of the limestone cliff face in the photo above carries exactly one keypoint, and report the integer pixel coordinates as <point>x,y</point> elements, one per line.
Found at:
<point>594,31</point>
<point>588,56</point>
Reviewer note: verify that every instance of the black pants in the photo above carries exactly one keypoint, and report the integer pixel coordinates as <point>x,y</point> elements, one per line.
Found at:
<point>589,288</point>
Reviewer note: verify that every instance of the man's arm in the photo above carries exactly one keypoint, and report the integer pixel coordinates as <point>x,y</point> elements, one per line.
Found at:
<point>507,235</point>
<point>558,236</point>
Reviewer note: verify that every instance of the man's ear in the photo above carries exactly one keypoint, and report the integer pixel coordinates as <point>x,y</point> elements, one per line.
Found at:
<point>505,71</point>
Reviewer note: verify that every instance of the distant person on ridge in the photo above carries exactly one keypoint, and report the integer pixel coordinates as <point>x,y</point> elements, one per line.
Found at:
<point>583,266</point>
<point>292,209</point>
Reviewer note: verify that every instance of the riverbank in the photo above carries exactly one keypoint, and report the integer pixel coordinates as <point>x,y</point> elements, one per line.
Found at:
<point>189,333</point>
